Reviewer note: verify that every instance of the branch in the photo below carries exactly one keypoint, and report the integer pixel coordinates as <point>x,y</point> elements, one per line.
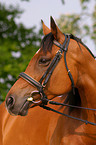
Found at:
<point>63,2</point>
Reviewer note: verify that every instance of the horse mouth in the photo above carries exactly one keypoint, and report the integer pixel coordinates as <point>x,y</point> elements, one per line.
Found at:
<point>21,110</point>
<point>21,106</point>
<point>24,109</point>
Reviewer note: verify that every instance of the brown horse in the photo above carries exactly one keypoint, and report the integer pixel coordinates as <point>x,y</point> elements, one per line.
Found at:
<point>63,67</point>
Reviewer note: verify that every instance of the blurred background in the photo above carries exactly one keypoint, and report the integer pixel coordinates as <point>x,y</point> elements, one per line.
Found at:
<point>21,31</point>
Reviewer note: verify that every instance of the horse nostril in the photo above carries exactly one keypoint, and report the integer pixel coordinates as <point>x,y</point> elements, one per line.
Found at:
<point>10,102</point>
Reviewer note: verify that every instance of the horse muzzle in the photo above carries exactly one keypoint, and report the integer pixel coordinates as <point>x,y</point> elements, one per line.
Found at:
<point>20,106</point>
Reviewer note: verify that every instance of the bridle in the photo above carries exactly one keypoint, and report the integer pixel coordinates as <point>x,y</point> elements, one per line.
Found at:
<point>41,84</point>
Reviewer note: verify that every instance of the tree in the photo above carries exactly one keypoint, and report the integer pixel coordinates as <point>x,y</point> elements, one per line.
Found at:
<point>74,23</point>
<point>17,46</point>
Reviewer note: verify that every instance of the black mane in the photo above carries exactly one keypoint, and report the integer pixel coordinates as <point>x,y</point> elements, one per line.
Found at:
<point>73,99</point>
<point>78,40</point>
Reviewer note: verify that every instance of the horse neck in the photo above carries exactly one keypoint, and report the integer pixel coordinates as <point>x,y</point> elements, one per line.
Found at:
<point>86,79</point>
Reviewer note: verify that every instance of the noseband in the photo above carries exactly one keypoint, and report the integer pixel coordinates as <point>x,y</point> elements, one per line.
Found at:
<point>41,84</point>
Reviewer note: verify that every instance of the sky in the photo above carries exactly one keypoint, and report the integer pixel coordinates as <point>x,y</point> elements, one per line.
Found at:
<point>35,10</point>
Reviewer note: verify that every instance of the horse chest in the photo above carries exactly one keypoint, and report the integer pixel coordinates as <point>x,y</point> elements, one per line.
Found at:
<point>45,128</point>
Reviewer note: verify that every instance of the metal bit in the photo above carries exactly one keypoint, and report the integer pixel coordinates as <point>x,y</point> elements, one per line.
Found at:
<point>30,99</point>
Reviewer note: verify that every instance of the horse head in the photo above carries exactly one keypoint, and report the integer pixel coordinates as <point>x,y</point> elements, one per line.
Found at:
<point>50,73</point>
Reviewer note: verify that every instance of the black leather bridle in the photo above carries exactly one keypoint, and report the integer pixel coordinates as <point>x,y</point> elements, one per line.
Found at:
<point>45,78</point>
<point>41,84</point>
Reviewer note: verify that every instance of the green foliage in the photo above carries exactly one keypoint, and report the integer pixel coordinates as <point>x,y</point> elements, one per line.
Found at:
<point>69,23</point>
<point>84,1</point>
<point>78,23</point>
<point>62,1</point>
<point>17,46</point>
<point>93,35</point>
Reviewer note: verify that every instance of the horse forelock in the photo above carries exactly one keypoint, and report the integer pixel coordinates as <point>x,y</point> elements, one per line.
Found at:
<point>47,42</point>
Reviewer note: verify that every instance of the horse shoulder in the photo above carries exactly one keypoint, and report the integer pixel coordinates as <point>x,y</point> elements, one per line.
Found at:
<point>2,112</point>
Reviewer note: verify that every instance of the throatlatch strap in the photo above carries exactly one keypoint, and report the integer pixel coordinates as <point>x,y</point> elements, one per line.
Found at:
<point>69,73</point>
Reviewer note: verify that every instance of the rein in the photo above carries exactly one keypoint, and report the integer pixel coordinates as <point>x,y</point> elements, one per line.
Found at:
<point>45,78</point>
<point>69,116</point>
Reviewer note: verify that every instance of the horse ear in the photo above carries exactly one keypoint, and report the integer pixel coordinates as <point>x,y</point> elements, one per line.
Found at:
<point>55,30</point>
<point>46,30</point>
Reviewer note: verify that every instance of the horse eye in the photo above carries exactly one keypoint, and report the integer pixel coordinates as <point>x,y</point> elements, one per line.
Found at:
<point>44,61</point>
